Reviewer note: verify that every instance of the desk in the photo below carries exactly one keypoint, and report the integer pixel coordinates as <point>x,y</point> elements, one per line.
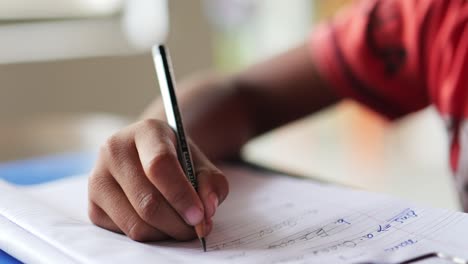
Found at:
<point>350,146</point>
<point>44,169</point>
<point>377,157</point>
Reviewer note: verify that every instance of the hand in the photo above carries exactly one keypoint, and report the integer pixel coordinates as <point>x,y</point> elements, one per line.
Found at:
<point>139,188</point>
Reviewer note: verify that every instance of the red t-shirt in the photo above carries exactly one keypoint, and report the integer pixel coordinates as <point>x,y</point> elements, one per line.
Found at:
<point>399,56</point>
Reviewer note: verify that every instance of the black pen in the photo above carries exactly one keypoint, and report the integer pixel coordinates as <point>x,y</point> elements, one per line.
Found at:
<point>163,67</point>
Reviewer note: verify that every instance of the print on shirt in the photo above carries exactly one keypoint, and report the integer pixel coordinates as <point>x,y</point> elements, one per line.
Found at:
<point>384,34</point>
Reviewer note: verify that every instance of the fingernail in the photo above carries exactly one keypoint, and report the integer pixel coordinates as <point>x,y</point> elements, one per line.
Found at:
<point>213,204</point>
<point>193,215</point>
<point>215,201</point>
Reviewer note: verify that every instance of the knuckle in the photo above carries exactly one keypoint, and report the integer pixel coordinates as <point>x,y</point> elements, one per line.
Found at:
<point>162,129</point>
<point>136,231</point>
<point>163,158</point>
<point>97,184</point>
<point>94,214</point>
<point>94,184</point>
<point>149,206</point>
<point>181,198</point>
<point>154,126</point>
<point>112,148</point>
<point>149,124</point>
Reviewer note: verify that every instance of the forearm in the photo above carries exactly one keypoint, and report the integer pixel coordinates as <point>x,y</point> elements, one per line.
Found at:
<point>284,88</point>
<point>214,114</point>
<point>223,113</point>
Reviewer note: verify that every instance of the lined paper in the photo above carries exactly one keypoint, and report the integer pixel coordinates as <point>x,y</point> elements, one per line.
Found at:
<point>266,219</point>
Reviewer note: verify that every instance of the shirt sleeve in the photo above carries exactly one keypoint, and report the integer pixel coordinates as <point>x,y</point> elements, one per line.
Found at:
<point>372,52</point>
<point>397,56</point>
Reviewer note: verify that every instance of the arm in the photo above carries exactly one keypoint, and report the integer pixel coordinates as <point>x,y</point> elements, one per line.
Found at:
<point>255,100</point>
<point>138,187</point>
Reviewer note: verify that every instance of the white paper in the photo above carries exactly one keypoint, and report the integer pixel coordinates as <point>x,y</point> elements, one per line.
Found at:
<point>266,219</point>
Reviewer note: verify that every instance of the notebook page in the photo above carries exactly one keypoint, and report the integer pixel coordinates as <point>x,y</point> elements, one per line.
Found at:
<point>266,219</point>
<point>35,251</point>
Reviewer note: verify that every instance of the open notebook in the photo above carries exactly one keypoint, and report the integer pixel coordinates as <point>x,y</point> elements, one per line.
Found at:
<point>266,219</point>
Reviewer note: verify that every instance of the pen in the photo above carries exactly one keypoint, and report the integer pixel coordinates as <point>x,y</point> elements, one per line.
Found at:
<point>163,67</point>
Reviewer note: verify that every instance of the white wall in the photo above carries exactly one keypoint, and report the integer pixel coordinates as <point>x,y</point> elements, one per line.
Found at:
<point>122,85</point>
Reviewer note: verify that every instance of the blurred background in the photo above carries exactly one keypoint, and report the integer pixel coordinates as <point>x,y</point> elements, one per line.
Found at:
<point>72,75</point>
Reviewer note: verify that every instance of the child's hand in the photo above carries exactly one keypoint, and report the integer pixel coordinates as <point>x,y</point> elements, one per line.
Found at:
<point>139,188</point>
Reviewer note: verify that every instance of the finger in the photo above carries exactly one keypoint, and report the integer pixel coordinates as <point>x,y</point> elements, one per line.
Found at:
<point>100,218</point>
<point>213,186</point>
<point>156,145</point>
<point>147,201</point>
<point>208,226</point>
<point>107,194</point>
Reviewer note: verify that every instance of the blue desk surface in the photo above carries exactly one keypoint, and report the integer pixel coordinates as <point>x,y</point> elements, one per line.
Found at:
<point>43,169</point>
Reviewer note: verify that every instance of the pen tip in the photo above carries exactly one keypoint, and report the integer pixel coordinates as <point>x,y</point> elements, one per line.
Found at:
<point>203,242</point>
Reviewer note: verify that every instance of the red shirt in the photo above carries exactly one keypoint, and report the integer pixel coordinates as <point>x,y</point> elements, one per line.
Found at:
<point>399,56</point>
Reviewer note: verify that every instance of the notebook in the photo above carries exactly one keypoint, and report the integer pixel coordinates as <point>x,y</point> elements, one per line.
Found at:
<point>267,218</point>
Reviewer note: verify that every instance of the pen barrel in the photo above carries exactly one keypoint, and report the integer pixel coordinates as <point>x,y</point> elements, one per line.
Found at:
<point>187,165</point>
<point>174,118</point>
<point>183,149</point>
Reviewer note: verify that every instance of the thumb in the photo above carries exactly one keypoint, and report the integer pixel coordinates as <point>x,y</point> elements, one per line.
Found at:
<point>213,186</point>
